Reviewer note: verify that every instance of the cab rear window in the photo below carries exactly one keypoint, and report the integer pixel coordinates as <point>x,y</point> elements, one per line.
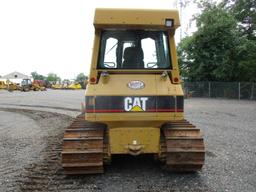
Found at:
<point>134,49</point>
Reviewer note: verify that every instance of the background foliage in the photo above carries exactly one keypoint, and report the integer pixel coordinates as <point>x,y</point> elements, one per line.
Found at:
<point>224,46</point>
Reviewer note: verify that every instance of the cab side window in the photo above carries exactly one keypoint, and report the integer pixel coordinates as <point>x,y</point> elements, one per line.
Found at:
<point>149,48</point>
<point>110,60</point>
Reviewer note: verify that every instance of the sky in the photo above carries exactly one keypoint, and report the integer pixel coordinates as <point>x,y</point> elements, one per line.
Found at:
<point>57,35</point>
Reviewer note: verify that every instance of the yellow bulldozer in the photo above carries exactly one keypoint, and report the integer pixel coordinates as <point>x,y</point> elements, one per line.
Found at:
<point>2,85</point>
<point>74,86</point>
<point>11,86</point>
<point>56,86</point>
<point>134,102</point>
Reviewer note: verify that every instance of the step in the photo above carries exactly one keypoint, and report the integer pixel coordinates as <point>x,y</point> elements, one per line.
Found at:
<point>83,138</point>
<point>82,164</point>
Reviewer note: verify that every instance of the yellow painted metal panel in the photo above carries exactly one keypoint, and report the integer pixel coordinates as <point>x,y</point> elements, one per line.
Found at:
<point>117,85</point>
<point>131,116</point>
<point>175,72</point>
<point>165,87</point>
<point>135,117</point>
<point>147,18</point>
<point>96,48</point>
<point>122,139</point>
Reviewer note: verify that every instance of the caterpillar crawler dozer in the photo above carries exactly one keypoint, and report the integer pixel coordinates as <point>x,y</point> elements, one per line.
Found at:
<point>134,98</point>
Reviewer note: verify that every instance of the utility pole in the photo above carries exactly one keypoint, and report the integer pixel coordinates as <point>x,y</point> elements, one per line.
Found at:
<point>182,5</point>
<point>181,12</point>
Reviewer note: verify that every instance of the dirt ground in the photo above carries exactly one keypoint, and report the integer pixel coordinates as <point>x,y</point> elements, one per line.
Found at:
<point>31,131</point>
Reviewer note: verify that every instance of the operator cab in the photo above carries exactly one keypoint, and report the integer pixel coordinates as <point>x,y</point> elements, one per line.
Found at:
<point>134,49</point>
<point>26,82</point>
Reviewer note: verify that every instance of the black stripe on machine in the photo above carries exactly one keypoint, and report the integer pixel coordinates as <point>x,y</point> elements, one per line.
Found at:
<point>116,104</point>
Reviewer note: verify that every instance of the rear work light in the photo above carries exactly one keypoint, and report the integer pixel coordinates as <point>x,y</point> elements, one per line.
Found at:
<point>169,22</point>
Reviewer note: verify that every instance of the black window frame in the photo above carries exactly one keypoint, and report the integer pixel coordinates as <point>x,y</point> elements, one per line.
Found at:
<point>102,50</point>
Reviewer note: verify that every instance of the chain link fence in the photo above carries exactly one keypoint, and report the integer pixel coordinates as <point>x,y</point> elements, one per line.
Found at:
<point>232,90</point>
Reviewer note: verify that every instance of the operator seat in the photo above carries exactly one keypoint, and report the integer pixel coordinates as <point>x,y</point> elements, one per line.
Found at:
<point>133,58</point>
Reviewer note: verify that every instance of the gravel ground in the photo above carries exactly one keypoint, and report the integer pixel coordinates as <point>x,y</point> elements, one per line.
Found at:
<point>32,126</point>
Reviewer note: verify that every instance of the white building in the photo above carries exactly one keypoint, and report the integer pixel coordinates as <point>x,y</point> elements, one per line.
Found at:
<point>15,77</point>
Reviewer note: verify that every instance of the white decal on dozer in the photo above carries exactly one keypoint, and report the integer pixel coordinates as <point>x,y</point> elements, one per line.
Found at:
<point>135,103</point>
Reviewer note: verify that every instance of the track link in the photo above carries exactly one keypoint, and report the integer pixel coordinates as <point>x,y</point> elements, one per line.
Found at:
<point>83,147</point>
<point>182,147</point>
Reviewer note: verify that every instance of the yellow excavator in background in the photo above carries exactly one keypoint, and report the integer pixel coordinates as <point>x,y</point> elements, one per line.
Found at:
<point>134,102</point>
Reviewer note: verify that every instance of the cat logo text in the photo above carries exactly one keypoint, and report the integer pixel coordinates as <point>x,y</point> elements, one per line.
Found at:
<point>135,104</point>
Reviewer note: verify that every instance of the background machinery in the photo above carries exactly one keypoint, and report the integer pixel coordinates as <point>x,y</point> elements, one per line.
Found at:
<point>134,98</point>
<point>27,85</point>
<point>2,85</point>
<point>67,86</point>
<point>10,86</point>
<point>74,86</point>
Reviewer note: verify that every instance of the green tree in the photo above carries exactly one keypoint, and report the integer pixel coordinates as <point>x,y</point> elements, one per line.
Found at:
<point>245,13</point>
<point>246,58</point>
<point>185,58</point>
<point>205,54</point>
<point>219,50</point>
<point>81,77</point>
<point>52,77</point>
<point>37,76</point>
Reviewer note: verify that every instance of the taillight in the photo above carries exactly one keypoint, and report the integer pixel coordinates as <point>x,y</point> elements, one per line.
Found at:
<point>93,80</point>
<point>176,79</point>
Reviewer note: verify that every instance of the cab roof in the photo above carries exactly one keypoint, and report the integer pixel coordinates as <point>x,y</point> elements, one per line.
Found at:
<point>136,19</point>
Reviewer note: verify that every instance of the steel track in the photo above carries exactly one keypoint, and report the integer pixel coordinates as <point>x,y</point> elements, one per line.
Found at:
<point>182,147</point>
<point>83,148</point>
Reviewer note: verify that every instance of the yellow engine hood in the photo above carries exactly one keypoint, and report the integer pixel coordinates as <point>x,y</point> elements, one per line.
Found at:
<point>112,100</point>
<point>117,84</point>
